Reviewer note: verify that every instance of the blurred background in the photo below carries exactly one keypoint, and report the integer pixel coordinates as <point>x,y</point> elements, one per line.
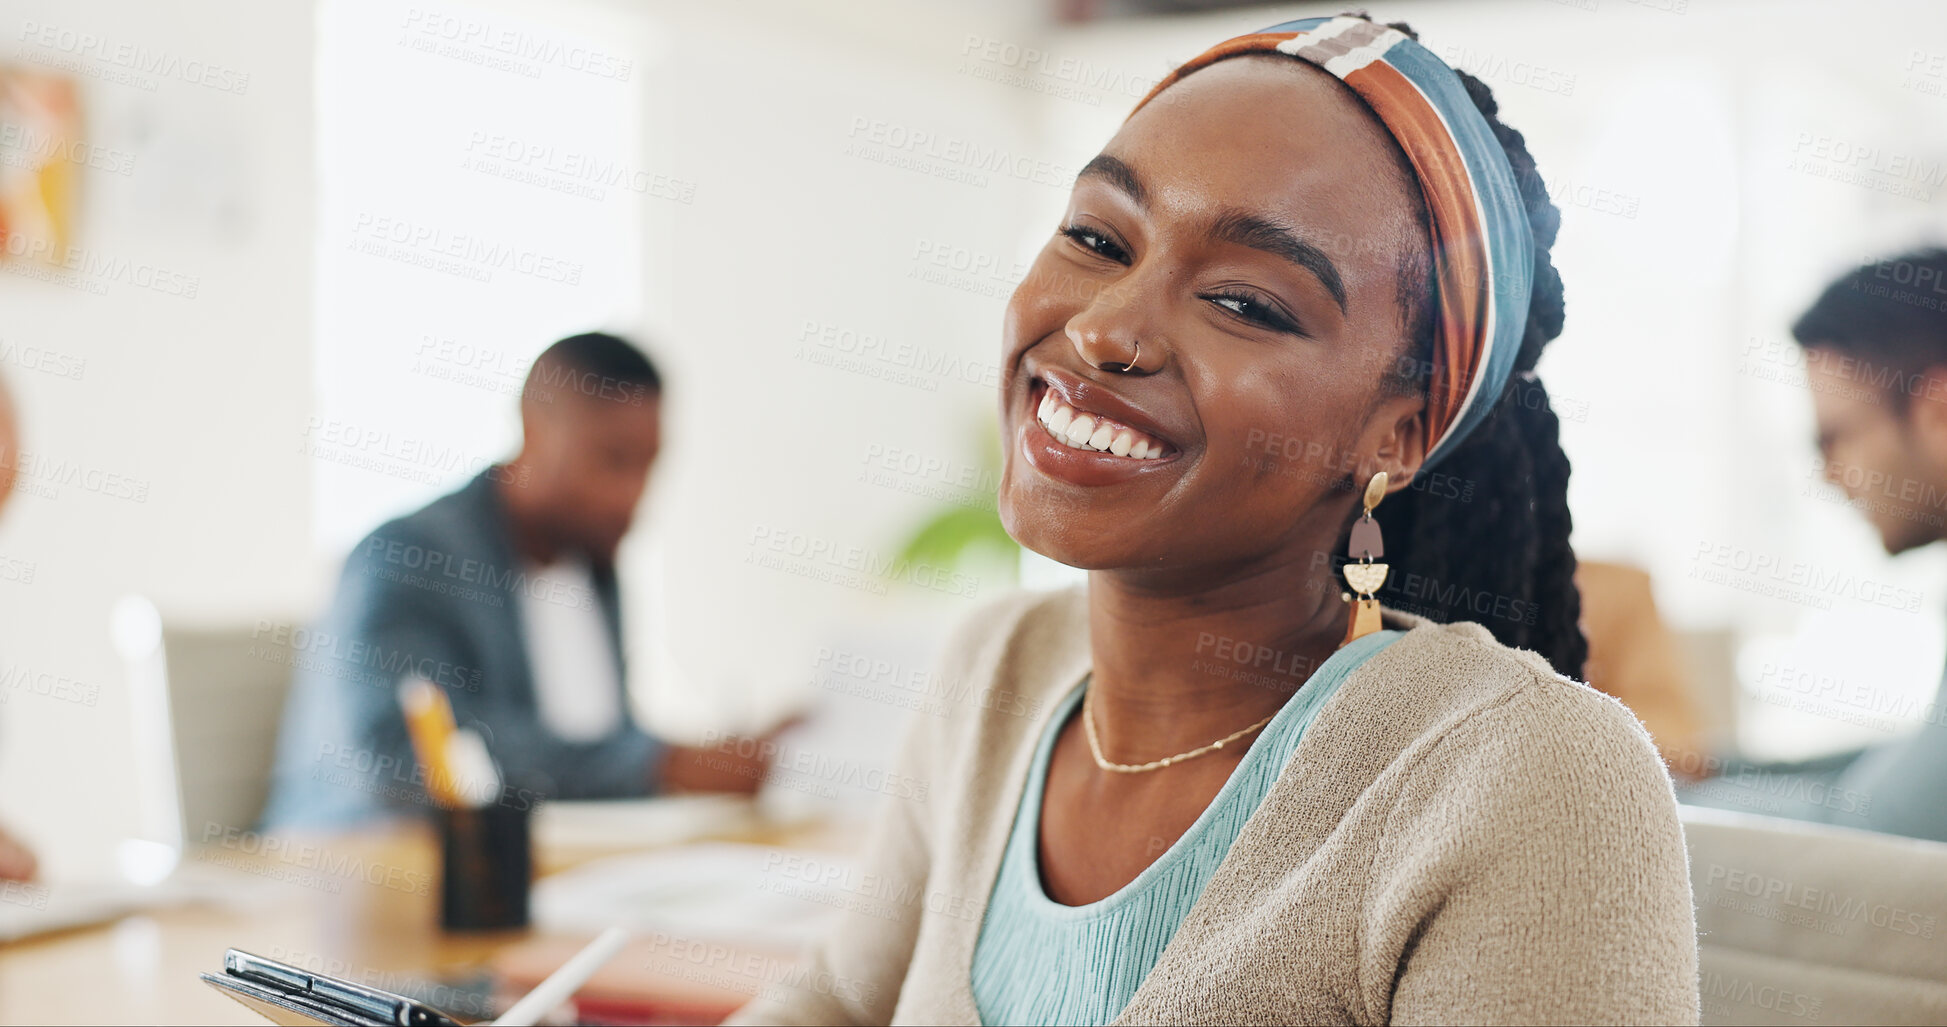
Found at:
<point>321,241</point>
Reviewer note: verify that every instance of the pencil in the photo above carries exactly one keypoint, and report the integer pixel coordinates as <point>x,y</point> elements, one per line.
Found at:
<point>429,721</point>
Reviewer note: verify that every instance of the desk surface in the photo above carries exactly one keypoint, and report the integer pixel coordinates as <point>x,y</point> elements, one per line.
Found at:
<point>366,911</point>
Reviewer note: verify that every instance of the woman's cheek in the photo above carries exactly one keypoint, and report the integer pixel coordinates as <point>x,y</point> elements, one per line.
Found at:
<point>1033,311</point>
<point>1269,435</point>
<point>1256,407</point>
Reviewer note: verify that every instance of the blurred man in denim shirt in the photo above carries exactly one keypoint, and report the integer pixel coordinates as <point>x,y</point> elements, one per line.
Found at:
<point>504,595</point>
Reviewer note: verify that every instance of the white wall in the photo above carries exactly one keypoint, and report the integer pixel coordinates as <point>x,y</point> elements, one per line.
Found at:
<point>195,402</point>
<point>805,243</point>
<point>475,205</point>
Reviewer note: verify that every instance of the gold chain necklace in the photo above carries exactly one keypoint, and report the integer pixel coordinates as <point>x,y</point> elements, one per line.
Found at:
<point>1095,744</point>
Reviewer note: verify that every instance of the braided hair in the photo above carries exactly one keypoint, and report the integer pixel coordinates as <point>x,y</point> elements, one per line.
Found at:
<point>1483,536</point>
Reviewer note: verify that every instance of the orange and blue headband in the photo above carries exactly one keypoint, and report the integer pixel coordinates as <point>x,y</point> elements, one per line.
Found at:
<point>1483,249</point>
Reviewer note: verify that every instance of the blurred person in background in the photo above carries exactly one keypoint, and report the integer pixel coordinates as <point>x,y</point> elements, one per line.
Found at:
<point>16,860</point>
<point>1875,346</point>
<point>504,595</point>
<point>1311,264</point>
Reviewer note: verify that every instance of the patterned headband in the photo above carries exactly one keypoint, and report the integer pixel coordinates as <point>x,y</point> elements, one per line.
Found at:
<point>1483,249</point>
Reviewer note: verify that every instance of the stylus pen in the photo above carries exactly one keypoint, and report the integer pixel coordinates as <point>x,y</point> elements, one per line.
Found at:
<point>563,982</point>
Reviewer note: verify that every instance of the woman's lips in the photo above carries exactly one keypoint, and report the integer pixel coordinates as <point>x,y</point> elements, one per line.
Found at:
<point>1096,401</point>
<point>1091,430</point>
<point>1062,460</point>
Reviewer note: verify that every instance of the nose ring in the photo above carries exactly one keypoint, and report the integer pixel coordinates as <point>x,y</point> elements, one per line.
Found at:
<point>1131,365</point>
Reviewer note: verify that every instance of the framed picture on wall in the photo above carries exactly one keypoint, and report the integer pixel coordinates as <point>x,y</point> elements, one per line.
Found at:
<point>40,133</point>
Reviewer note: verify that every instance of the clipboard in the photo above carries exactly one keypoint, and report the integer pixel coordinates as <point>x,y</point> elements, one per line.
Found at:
<point>296,997</point>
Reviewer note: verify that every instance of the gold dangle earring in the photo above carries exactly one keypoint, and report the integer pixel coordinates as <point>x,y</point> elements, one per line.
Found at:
<point>1361,572</point>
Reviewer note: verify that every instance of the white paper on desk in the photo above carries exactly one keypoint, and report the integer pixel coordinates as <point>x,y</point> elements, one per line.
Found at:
<point>751,895</point>
<point>30,909</point>
<point>637,823</point>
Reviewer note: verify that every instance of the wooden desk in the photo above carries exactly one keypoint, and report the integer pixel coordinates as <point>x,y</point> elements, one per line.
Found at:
<point>359,907</point>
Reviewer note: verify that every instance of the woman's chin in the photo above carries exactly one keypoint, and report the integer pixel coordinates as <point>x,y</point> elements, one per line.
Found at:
<point>1088,529</point>
<point>1061,538</point>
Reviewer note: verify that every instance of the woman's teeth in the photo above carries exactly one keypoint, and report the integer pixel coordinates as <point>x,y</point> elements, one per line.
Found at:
<point>1087,431</point>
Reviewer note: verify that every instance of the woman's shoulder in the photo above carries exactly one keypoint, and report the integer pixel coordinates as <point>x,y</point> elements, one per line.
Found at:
<point>1458,751</point>
<point>1464,692</point>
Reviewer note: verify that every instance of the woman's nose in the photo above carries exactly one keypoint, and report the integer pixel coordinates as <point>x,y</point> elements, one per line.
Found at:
<point>1117,319</point>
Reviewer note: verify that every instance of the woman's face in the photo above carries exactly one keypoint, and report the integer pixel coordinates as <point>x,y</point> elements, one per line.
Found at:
<point>1248,227</point>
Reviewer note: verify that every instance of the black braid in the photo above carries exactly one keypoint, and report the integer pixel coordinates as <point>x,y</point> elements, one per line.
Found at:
<point>1483,535</point>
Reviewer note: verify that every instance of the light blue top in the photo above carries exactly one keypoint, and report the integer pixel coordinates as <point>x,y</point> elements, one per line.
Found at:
<point>1040,962</point>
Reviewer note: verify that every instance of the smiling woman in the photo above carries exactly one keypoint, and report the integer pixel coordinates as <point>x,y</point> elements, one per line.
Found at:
<point>1309,267</point>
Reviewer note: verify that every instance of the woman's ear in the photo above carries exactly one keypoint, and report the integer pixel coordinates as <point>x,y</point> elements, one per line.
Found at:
<point>1400,449</point>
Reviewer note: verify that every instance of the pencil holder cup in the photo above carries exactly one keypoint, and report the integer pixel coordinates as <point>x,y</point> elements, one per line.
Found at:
<point>486,866</point>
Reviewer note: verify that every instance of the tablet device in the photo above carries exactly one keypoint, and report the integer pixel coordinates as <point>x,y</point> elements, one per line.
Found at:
<point>286,994</point>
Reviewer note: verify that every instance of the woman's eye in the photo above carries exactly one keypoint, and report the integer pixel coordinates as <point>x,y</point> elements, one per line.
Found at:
<point>1095,242</point>
<point>1254,310</point>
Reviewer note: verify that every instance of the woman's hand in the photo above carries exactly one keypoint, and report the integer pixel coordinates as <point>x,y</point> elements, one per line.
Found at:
<point>735,763</point>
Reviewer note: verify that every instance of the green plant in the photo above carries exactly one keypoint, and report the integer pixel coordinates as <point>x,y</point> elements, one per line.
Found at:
<point>962,534</point>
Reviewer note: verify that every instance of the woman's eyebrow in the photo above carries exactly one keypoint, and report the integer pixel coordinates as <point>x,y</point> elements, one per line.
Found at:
<point>1116,173</point>
<point>1258,233</point>
<point>1233,226</point>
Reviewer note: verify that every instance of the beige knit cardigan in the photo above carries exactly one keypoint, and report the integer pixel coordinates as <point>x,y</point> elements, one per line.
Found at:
<point>1462,836</point>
